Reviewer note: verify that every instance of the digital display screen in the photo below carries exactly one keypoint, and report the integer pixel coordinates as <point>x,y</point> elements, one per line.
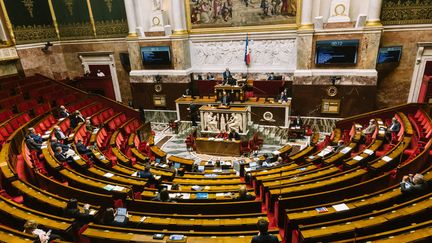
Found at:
<point>336,52</point>
<point>389,54</point>
<point>156,55</point>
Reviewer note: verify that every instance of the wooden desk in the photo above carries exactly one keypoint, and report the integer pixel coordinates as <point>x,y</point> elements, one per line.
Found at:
<point>216,147</point>
<point>236,93</point>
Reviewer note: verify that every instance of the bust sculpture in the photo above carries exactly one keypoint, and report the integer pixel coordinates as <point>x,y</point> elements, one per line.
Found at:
<point>156,5</point>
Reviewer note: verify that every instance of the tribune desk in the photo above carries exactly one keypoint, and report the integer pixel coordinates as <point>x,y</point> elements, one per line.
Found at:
<point>235,92</point>
<point>218,147</point>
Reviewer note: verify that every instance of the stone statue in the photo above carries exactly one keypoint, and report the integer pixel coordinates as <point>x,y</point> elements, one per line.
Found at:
<point>223,123</point>
<point>236,122</point>
<point>156,5</point>
<point>212,122</point>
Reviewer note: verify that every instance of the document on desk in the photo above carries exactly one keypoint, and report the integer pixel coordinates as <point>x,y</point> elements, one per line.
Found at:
<point>118,188</point>
<point>340,207</point>
<point>109,187</point>
<point>109,175</point>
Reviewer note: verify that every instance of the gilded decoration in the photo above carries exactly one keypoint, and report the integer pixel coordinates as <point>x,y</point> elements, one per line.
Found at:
<point>109,5</point>
<point>69,6</point>
<point>76,31</point>
<point>406,12</point>
<point>207,14</point>
<point>27,34</point>
<point>111,28</point>
<point>29,5</point>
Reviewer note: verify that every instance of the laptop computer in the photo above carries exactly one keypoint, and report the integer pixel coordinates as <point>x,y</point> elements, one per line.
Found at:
<point>121,215</point>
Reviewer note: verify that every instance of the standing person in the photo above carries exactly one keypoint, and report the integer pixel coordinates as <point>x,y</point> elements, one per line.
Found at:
<point>264,236</point>
<point>225,100</point>
<point>226,75</point>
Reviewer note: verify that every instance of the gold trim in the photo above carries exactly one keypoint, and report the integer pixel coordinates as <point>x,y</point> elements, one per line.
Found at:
<point>180,32</point>
<point>92,22</point>
<point>132,35</point>
<point>306,27</point>
<point>299,12</point>
<point>254,28</point>
<point>8,22</point>
<point>374,23</point>
<point>54,18</point>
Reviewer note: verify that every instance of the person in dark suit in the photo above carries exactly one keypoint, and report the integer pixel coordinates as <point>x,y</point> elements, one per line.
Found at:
<point>55,143</point>
<point>32,145</point>
<point>60,156</point>
<point>82,149</point>
<point>146,174</point>
<point>63,112</point>
<point>59,134</point>
<point>393,128</point>
<point>36,137</point>
<point>163,196</point>
<point>225,99</point>
<point>243,195</point>
<point>233,135</point>
<point>297,122</point>
<point>413,184</point>
<point>271,76</point>
<point>264,236</point>
<point>76,119</point>
<point>81,216</point>
<point>227,74</point>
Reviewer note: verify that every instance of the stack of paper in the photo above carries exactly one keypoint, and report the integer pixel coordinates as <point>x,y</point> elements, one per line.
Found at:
<point>340,207</point>
<point>109,175</point>
<point>118,188</point>
<point>108,187</point>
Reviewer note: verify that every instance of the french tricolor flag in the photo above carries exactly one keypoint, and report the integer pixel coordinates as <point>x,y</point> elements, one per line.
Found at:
<point>247,52</point>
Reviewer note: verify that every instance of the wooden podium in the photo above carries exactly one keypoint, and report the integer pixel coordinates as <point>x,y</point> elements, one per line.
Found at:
<point>236,93</point>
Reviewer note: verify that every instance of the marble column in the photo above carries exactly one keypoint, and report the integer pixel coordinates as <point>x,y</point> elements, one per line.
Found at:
<point>130,14</point>
<point>306,15</point>
<point>178,16</point>
<point>374,13</point>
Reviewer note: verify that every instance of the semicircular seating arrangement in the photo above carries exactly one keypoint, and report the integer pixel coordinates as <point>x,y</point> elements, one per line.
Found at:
<point>317,194</point>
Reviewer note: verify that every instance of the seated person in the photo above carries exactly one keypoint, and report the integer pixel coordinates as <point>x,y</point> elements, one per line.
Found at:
<point>82,149</point>
<point>163,196</point>
<point>413,184</point>
<point>283,97</point>
<point>225,99</point>
<point>55,143</point>
<point>264,236</point>
<point>226,75</point>
<point>271,76</point>
<point>146,174</point>
<point>394,127</point>
<point>81,216</point>
<point>36,137</point>
<point>243,195</point>
<point>109,216</point>
<point>269,162</point>
<point>76,119</point>
<point>210,77</point>
<point>89,126</point>
<point>32,145</point>
<point>233,135</point>
<point>370,129</point>
<point>340,145</point>
<point>31,227</point>
<point>63,112</point>
<point>62,157</point>
<point>59,134</point>
<point>187,92</point>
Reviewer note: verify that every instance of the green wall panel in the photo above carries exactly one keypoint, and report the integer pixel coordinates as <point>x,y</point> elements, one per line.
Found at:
<point>31,20</point>
<point>73,19</point>
<point>110,18</point>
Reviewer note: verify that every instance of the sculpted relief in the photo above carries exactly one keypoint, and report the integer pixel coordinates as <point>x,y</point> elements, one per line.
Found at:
<point>278,54</point>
